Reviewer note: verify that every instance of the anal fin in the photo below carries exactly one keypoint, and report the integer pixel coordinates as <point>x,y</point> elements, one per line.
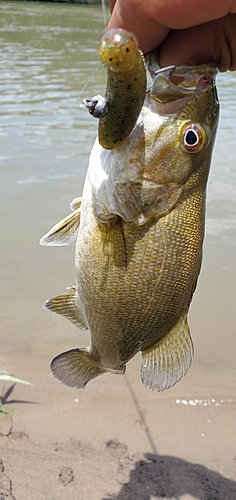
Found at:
<point>167,361</point>
<point>66,305</point>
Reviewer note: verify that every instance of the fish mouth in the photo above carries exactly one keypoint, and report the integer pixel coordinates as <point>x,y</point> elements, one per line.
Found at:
<point>173,86</point>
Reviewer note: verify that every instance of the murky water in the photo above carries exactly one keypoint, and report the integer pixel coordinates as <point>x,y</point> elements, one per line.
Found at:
<point>48,52</point>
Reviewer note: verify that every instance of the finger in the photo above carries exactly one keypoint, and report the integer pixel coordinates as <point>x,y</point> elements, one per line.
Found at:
<point>182,14</point>
<point>112,4</point>
<point>213,41</point>
<point>148,32</point>
<point>228,50</point>
<point>151,20</point>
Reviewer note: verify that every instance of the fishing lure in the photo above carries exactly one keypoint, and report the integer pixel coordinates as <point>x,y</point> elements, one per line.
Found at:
<point>126,88</point>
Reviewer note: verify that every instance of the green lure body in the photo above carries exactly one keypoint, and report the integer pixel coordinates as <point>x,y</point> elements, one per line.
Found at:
<point>126,86</point>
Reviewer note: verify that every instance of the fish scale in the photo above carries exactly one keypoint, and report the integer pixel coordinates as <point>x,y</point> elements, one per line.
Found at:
<point>140,302</point>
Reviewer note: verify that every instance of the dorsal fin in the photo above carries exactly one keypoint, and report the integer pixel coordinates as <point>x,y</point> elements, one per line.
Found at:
<point>167,361</point>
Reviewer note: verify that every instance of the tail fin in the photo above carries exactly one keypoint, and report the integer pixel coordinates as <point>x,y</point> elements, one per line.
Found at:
<point>77,367</point>
<point>167,361</point>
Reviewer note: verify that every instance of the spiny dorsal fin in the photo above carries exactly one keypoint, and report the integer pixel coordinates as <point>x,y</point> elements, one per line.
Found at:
<point>76,367</point>
<point>64,232</point>
<point>167,361</point>
<point>66,305</point>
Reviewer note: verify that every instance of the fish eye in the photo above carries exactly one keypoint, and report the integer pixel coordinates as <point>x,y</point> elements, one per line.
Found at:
<point>193,138</point>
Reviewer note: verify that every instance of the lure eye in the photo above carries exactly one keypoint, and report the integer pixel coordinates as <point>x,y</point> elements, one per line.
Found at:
<point>193,138</point>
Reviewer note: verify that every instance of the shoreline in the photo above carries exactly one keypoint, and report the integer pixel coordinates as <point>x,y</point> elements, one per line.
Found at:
<point>116,439</point>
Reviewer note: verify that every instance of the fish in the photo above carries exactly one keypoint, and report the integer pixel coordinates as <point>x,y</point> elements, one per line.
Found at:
<point>139,231</point>
<point>126,87</point>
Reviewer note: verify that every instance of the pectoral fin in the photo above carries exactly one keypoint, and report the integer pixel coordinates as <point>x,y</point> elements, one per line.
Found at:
<point>77,367</point>
<point>66,305</point>
<point>64,232</point>
<point>167,361</point>
<point>75,204</point>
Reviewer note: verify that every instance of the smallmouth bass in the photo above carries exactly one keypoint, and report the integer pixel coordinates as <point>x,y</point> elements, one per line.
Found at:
<point>139,230</point>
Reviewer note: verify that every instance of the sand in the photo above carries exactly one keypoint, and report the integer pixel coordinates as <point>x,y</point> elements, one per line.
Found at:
<point>116,439</point>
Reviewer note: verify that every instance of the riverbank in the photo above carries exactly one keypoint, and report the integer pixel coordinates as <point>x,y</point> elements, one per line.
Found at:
<point>117,440</point>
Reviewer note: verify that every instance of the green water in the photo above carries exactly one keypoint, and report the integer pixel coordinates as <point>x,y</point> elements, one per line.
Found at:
<point>48,53</point>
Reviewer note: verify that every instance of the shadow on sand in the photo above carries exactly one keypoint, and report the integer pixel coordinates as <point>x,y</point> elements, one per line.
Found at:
<point>163,476</point>
<point>5,399</point>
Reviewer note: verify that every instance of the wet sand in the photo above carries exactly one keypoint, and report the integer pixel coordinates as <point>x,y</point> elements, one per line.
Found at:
<point>116,439</point>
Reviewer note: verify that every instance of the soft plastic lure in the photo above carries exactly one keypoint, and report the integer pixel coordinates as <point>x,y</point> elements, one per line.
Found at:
<point>126,88</point>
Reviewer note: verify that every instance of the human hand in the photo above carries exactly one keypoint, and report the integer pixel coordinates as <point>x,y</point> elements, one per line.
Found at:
<point>186,32</point>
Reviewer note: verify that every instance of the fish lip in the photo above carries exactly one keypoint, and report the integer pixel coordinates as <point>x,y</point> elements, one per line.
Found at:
<point>201,76</point>
<point>178,80</point>
<point>192,78</point>
<point>173,86</point>
<point>187,71</point>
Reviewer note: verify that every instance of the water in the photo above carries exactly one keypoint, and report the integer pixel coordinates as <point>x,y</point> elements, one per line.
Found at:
<point>48,52</point>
